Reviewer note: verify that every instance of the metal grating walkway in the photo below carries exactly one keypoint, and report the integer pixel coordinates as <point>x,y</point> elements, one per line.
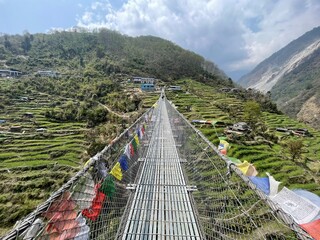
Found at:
<point>161,207</point>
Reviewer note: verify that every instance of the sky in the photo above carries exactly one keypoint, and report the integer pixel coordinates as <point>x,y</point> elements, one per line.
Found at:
<point>235,34</point>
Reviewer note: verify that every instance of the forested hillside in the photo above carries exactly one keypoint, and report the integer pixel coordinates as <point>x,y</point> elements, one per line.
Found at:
<point>97,54</point>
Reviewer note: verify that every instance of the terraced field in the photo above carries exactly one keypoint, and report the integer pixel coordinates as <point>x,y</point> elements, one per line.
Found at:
<point>40,141</point>
<point>41,155</point>
<point>208,103</point>
<point>38,158</point>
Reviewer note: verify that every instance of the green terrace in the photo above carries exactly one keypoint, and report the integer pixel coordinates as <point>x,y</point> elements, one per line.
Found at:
<point>207,103</point>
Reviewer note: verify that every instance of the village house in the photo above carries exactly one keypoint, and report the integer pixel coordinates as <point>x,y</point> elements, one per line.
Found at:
<point>141,80</point>
<point>148,80</point>
<point>15,129</point>
<point>9,73</point>
<point>174,88</point>
<point>147,87</point>
<point>241,126</point>
<point>48,73</point>
<point>226,90</point>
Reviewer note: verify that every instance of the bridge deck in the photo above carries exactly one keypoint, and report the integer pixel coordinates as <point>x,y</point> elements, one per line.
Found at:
<point>161,208</point>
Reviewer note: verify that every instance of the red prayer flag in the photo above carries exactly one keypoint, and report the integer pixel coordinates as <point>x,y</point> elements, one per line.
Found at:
<point>62,218</point>
<point>313,228</point>
<point>223,151</point>
<point>96,206</point>
<point>131,149</point>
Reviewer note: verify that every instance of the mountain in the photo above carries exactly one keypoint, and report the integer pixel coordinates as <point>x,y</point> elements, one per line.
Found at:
<point>292,75</point>
<point>103,53</point>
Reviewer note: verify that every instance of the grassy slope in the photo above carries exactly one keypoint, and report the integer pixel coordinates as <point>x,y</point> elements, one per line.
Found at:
<point>205,103</point>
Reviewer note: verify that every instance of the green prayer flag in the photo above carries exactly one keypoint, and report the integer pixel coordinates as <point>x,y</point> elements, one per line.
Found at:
<point>234,160</point>
<point>222,138</point>
<point>108,187</point>
<point>135,145</point>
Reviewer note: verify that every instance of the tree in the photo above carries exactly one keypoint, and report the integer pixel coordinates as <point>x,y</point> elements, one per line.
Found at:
<point>7,43</point>
<point>252,113</point>
<point>26,42</point>
<point>234,112</point>
<point>294,148</point>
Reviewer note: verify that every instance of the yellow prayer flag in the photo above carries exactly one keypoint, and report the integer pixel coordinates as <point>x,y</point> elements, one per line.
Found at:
<point>247,169</point>
<point>116,171</point>
<point>224,144</point>
<point>136,138</point>
<point>87,162</point>
<point>243,167</point>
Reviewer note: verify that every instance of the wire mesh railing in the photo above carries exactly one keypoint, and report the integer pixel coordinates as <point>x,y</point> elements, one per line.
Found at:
<point>91,204</point>
<point>95,203</point>
<point>227,203</point>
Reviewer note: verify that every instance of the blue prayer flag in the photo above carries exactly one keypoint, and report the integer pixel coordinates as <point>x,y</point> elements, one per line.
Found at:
<point>138,133</point>
<point>262,183</point>
<point>124,162</point>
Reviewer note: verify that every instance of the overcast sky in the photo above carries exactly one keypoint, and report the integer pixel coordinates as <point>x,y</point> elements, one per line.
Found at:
<point>235,34</point>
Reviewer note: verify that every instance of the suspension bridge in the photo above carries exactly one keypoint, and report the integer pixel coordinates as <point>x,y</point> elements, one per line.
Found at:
<point>160,179</point>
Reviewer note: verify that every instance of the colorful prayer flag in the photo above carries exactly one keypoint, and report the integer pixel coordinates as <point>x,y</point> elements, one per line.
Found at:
<point>96,206</point>
<point>124,162</point>
<point>116,171</point>
<point>301,210</point>
<point>62,218</point>
<point>108,186</point>
<point>100,169</point>
<point>223,147</point>
<point>274,185</point>
<point>262,183</point>
<point>137,139</point>
<point>141,131</point>
<point>131,149</point>
<point>138,133</point>
<point>223,151</point>
<point>134,145</point>
<point>247,169</point>
<point>313,228</point>
<point>234,160</point>
<point>127,151</point>
<point>314,198</point>
<point>83,233</point>
<point>83,191</point>
<point>222,138</point>
<point>87,162</point>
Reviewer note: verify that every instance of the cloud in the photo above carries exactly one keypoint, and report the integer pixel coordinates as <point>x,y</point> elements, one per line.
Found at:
<point>236,35</point>
<point>87,17</point>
